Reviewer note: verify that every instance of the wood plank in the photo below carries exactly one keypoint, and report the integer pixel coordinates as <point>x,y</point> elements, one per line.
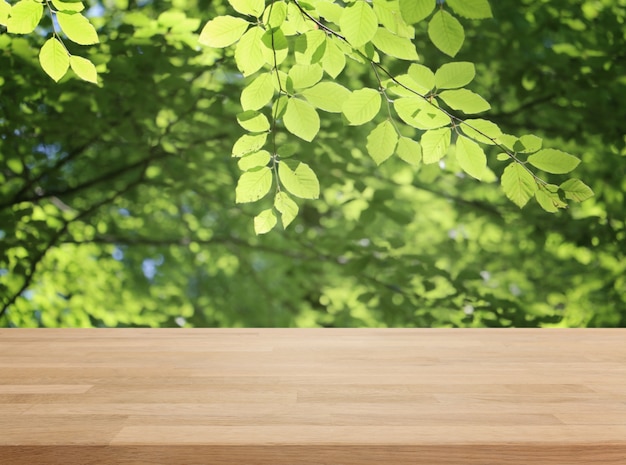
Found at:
<point>312,396</point>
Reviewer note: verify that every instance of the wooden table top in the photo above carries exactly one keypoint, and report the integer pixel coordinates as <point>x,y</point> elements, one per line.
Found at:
<point>312,396</point>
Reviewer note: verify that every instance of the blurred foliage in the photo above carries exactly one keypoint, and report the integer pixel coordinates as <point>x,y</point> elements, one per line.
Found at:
<point>117,202</point>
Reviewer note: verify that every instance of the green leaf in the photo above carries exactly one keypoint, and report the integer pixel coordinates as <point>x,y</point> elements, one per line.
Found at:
<point>481,130</point>
<point>381,142</point>
<point>310,47</point>
<point>435,144</point>
<point>471,157</point>
<point>393,45</point>
<point>423,77</point>
<point>248,53</point>
<point>465,100</point>
<point>329,11</point>
<point>258,93</point>
<point>24,17</point>
<point>446,33</point>
<point>275,47</point>
<point>253,185</point>
<point>298,179</point>
<point>301,119</point>
<point>409,150</point>
<point>518,184</point>
<point>576,190</point>
<point>387,13</point>
<point>253,121</point>
<point>414,11</point>
<point>358,23</point>
<point>248,144</point>
<point>417,112</point>
<point>223,31</point>
<point>254,160</point>
<point>327,96</point>
<point>553,161</point>
<point>84,69</point>
<point>549,201</point>
<point>275,14</point>
<point>527,144</point>
<point>77,28</point>
<point>5,11</point>
<point>362,106</point>
<point>333,60</point>
<point>471,9</point>
<point>287,207</point>
<point>303,76</point>
<point>265,221</point>
<point>68,6</point>
<point>54,59</point>
<point>248,7</point>
<point>455,75</point>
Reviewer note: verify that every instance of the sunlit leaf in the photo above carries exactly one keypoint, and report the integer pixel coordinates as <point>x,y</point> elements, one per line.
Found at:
<point>254,160</point>
<point>446,32</point>
<point>464,100</point>
<point>275,14</point>
<point>253,185</point>
<point>54,59</point>
<point>265,221</point>
<point>435,144</point>
<point>414,11</point>
<point>422,76</point>
<point>381,142</point>
<point>393,45</point>
<point>253,121</point>
<point>275,47</point>
<point>24,17</point>
<point>576,190</point>
<point>481,130</point>
<point>303,76</point>
<point>298,179</point>
<point>5,11</point>
<point>417,112</point>
<point>248,144</point>
<point>454,75</point>
<point>527,144</point>
<point>409,150</point>
<point>77,28</point>
<point>362,106</point>
<point>223,31</point>
<point>310,47</point>
<point>553,161</point>
<point>258,93</point>
<point>301,119</point>
<point>84,69</point>
<point>471,157</point>
<point>333,60</point>
<point>518,184</point>
<point>358,23</point>
<point>327,96</point>
<point>248,53</point>
<point>248,7</point>
<point>287,208</point>
<point>68,6</point>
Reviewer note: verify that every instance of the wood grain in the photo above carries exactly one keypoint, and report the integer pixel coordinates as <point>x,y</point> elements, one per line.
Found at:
<point>312,397</point>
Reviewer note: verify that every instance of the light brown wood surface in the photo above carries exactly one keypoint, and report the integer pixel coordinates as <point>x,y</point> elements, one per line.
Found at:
<point>312,397</point>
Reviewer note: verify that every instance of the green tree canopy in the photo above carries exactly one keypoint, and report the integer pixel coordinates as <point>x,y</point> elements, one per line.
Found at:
<point>295,163</point>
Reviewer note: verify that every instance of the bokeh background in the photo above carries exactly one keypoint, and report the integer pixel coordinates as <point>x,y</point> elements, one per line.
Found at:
<point>117,201</point>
